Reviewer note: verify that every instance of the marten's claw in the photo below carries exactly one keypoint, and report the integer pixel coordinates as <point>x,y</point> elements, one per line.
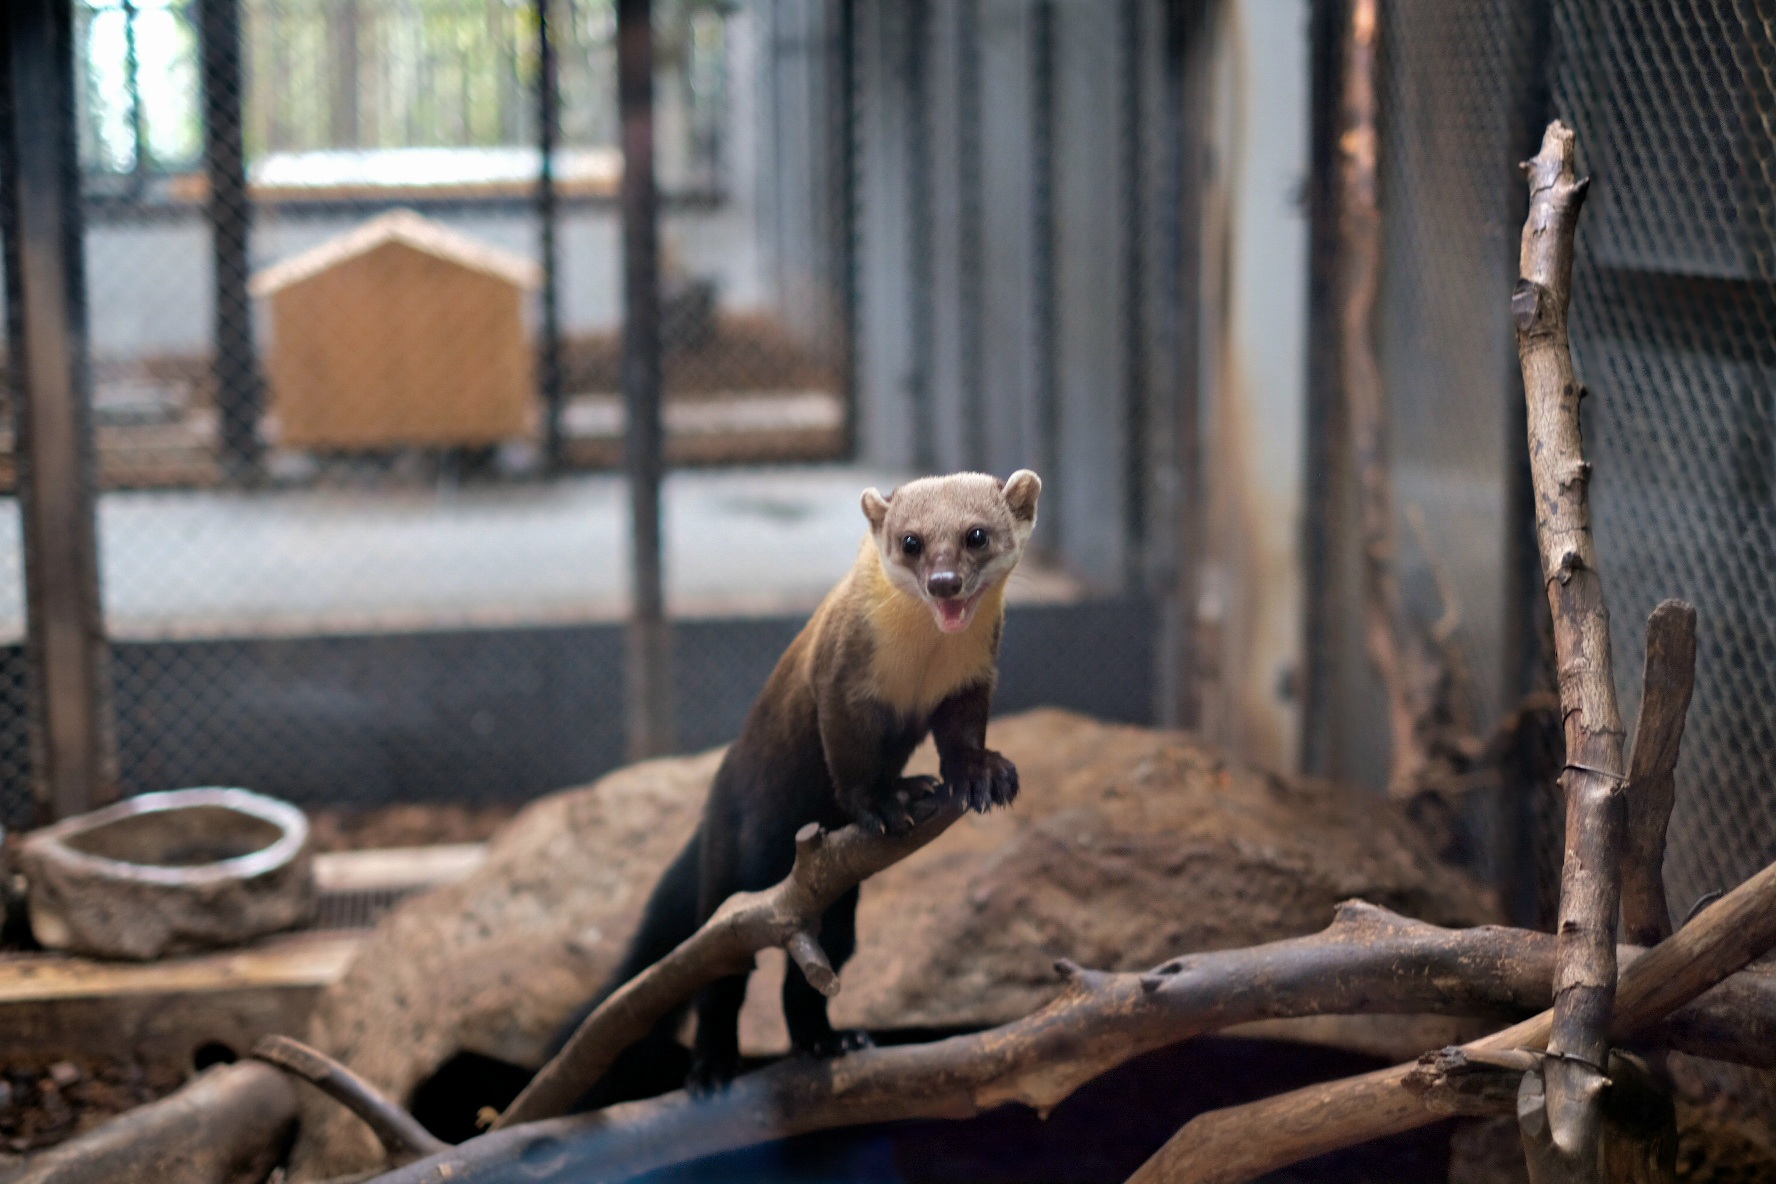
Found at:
<point>984,779</point>
<point>838,1043</point>
<point>1005,781</point>
<point>710,1074</point>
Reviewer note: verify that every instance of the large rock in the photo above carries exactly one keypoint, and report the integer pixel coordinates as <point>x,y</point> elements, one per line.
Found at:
<point>1127,846</point>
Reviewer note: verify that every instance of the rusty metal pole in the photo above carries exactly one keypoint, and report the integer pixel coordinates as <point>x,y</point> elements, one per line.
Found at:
<point>230,213</point>
<point>649,664</point>
<point>73,756</point>
<point>549,347</point>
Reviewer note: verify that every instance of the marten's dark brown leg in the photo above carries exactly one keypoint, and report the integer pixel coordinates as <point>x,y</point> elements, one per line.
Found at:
<point>804,1008</point>
<point>969,767</point>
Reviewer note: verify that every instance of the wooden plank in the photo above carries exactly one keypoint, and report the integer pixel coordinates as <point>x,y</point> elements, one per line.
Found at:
<point>380,869</point>
<point>292,960</point>
<point>54,1006</point>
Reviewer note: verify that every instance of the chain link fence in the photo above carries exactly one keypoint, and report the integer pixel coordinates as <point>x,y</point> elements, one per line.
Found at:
<point>354,311</point>
<point>1672,325</point>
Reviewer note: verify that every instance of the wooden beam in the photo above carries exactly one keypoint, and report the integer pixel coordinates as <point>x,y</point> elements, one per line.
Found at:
<point>73,759</point>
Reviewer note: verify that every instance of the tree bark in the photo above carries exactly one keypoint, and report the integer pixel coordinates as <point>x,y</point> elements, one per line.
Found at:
<point>1369,960</point>
<point>231,1125</point>
<point>1243,1142</point>
<point>1590,880</point>
<point>786,915</point>
<point>1667,682</point>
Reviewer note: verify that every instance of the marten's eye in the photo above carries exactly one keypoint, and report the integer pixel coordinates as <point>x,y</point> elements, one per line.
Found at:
<point>976,538</point>
<point>911,545</point>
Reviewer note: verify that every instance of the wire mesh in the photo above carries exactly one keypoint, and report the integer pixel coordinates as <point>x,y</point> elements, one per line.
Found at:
<point>1671,326</point>
<point>1674,320</point>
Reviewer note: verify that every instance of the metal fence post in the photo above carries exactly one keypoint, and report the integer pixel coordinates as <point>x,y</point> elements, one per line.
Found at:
<point>1044,381</point>
<point>549,352</point>
<point>921,212</point>
<point>73,755</point>
<point>649,665</point>
<point>230,214</point>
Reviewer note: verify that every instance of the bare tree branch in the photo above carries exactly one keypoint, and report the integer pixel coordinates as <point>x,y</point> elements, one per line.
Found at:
<point>1418,683</point>
<point>1242,1142</point>
<point>786,915</point>
<point>400,1134</point>
<point>1367,961</point>
<point>1590,880</point>
<point>1667,682</point>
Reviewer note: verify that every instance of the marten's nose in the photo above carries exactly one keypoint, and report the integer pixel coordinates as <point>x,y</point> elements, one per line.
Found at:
<point>944,584</point>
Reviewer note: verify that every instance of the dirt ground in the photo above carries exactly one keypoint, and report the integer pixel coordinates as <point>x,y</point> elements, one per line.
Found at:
<point>407,825</point>
<point>42,1106</point>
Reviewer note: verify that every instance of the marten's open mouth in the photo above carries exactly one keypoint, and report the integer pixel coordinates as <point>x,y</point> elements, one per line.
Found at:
<point>954,613</point>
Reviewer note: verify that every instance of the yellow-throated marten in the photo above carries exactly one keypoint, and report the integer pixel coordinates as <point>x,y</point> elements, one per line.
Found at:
<point>907,644</point>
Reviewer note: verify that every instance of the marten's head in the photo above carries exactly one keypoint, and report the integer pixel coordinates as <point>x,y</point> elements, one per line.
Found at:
<point>950,540</point>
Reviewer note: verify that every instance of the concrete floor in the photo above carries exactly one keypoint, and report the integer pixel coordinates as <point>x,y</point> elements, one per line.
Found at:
<point>209,563</point>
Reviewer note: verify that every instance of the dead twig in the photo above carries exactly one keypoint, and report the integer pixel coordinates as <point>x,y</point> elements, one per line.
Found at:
<point>401,1136</point>
<point>1368,960</point>
<point>786,915</point>
<point>1240,1143</point>
<point>1667,682</point>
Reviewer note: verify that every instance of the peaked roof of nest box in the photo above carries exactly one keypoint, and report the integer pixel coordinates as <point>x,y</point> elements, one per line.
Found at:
<point>410,229</point>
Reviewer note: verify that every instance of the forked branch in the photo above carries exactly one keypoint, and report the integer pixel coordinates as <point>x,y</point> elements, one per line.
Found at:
<point>1243,1142</point>
<point>787,915</point>
<point>1368,960</point>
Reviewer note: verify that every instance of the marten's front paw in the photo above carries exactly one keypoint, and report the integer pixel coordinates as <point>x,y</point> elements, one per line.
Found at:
<point>913,801</point>
<point>710,1074</point>
<point>983,778</point>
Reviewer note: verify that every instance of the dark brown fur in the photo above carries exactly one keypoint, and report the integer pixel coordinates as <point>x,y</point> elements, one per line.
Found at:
<point>905,646</point>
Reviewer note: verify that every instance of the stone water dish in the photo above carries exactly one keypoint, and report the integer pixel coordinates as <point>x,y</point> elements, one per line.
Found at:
<point>169,873</point>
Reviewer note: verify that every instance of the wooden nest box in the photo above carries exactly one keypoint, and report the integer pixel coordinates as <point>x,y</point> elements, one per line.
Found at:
<point>400,333</point>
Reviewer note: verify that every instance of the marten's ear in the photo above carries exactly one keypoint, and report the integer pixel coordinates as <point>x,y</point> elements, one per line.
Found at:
<point>875,508</point>
<point>1021,490</point>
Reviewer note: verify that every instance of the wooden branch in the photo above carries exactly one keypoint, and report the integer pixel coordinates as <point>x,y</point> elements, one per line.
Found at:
<point>1367,961</point>
<point>401,1136</point>
<point>1415,681</point>
<point>1667,681</point>
<point>231,1124</point>
<point>786,915</point>
<point>1590,880</point>
<point>1242,1142</point>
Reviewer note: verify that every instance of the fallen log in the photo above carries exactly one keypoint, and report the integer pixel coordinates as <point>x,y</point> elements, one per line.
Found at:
<point>1368,960</point>
<point>230,1125</point>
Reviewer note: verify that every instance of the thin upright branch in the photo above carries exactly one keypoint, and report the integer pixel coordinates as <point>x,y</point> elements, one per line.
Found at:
<point>1368,960</point>
<point>1241,1143</point>
<point>1413,667</point>
<point>1590,880</point>
<point>786,915</point>
<point>1667,681</point>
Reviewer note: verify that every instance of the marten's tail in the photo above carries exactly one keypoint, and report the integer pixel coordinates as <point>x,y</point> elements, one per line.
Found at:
<point>657,1063</point>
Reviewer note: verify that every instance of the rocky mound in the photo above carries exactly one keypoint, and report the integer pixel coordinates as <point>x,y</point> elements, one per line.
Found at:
<point>1126,847</point>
